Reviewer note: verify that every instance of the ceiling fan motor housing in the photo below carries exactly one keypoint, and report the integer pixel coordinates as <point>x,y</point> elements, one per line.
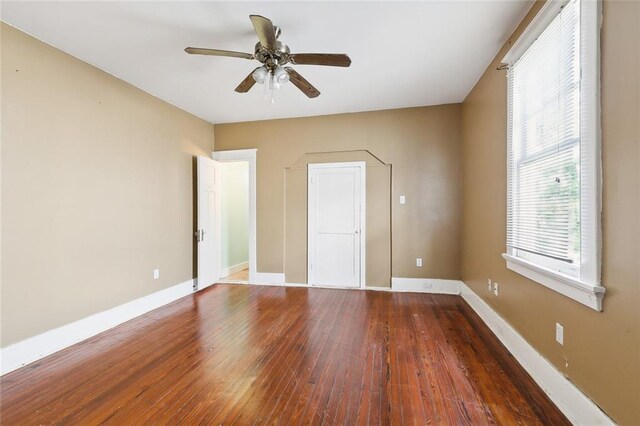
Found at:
<point>272,58</point>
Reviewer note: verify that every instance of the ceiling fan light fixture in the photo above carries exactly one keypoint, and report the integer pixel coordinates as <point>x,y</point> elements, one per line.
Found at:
<point>272,54</point>
<point>280,75</point>
<point>260,75</point>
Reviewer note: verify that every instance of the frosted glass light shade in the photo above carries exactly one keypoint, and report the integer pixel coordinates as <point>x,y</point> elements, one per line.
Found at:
<point>260,75</point>
<point>281,76</point>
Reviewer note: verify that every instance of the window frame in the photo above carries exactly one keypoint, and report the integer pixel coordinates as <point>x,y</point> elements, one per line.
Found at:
<point>586,287</point>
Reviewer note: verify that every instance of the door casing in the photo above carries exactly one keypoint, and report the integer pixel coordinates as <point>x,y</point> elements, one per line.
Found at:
<point>248,155</point>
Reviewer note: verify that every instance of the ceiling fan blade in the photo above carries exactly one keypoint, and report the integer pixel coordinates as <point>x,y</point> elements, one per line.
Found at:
<point>328,59</point>
<point>246,84</point>
<point>265,30</point>
<point>302,84</point>
<point>218,52</point>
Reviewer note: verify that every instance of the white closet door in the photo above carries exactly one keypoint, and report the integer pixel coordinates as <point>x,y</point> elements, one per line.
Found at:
<point>336,224</point>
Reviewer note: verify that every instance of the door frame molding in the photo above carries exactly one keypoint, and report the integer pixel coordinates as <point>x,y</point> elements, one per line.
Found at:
<point>363,214</point>
<point>250,156</point>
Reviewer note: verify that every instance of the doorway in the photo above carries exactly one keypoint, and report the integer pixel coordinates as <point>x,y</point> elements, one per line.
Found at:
<point>336,224</point>
<point>237,216</point>
<point>234,221</point>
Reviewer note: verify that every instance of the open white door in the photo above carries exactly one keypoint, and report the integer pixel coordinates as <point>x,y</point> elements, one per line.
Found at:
<point>208,174</point>
<point>336,213</point>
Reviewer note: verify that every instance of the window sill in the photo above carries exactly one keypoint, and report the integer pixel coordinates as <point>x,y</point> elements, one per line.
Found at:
<point>566,285</point>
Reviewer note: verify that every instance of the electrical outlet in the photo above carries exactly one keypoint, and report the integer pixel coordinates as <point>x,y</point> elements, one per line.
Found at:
<point>156,274</point>
<point>403,199</point>
<point>419,262</point>
<point>559,334</point>
<point>489,285</point>
<point>495,288</point>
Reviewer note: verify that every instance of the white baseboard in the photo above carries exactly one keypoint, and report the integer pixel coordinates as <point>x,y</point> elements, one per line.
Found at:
<point>34,348</point>
<point>417,285</point>
<point>426,285</point>
<point>578,408</point>
<point>268,278</point>
<point>224,272</point>
<point>328,287</point>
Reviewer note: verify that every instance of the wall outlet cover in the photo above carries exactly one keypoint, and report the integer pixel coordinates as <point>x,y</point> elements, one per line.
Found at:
<point>419,262</point>
<point>559,333</point>
<point>495,288</point>
<point>156,274</point>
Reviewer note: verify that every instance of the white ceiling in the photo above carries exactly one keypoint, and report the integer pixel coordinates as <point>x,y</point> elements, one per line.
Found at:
<point>403,53</point>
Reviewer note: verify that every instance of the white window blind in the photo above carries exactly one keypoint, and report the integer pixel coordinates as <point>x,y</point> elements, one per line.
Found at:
<point>543,194</point>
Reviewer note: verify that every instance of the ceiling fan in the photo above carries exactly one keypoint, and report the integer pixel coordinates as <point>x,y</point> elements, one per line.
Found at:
<point>274,54</point>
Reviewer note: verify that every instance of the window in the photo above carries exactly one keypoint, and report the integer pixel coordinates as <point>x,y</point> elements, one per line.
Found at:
<point>553,157</point>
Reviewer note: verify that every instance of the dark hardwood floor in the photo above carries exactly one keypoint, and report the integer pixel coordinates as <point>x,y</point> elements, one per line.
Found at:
<point>237,354</point>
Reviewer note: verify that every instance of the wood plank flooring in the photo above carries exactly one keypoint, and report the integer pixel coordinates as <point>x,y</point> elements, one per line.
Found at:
<point>237,354</point>
<point>238,276</point>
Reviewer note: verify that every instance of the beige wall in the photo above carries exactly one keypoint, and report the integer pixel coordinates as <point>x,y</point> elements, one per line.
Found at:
<point>422,147</point>
<point>96,189</point>
<point>601,352</point>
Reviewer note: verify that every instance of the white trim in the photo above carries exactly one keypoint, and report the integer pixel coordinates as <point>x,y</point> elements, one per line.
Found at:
<point>282,284</point>
<point>249,155</point>
<point>363,224</point>
<point>329,287</point>
<point>262,278</point>
<point>590,142</point>
<point>578,408</point>
<point>399,285</point>
<point>362,165</point>
<point>566,285</point>
<point>337,164</point>
<point>224,272</point>
<point>425,285</point>
<point>235,155</point>
<point>34,348</point>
